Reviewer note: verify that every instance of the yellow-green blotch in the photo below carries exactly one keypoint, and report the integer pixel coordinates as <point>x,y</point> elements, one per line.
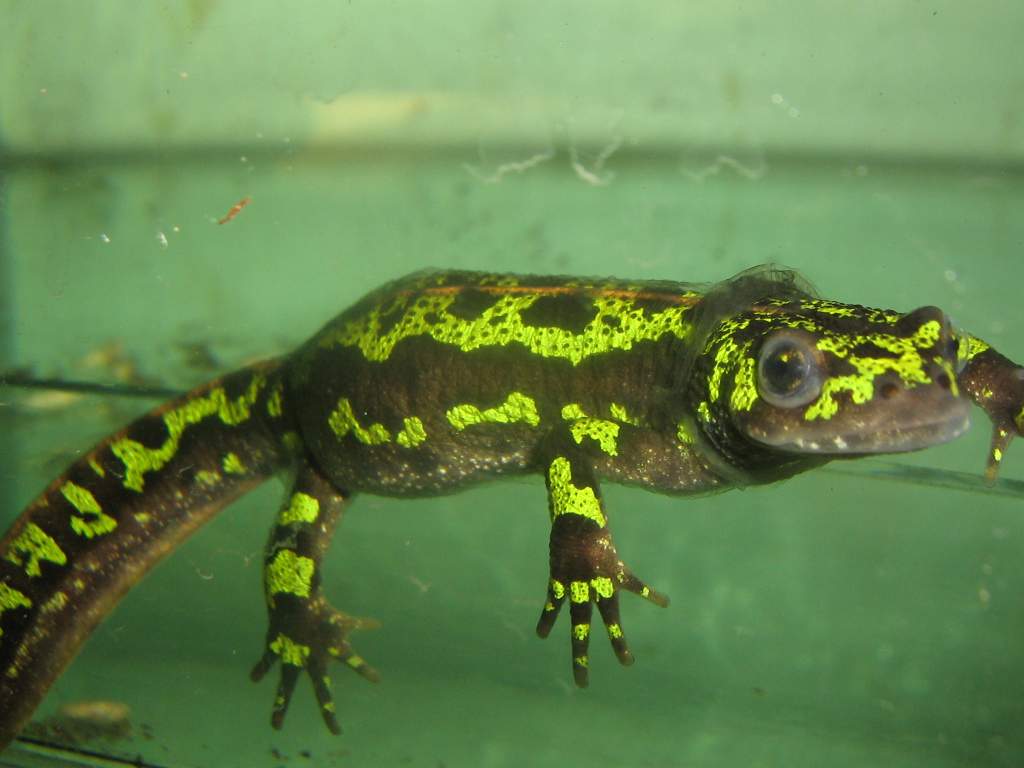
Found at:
<point>619,412</point>
<point>517,407</point>
<point>927,335</point>
<point>412,432</point>
<point>974,347</point>
<point>573,411</point>
<point>31,546</point>
<point>303,508</point>
<point>10,599</point>
<point>861,385</point>
<point>602,586</point>
<point>290,651</point>
<point>605,433</point>
<point>138,459</point>
<point>744,391</point>
<point>557,589</point>
<point>83,501</point>
<point>356,662</point>
<point>207,477</point>
<point>617,324</point>
<point>945,365</point>
<point>727,353</point>
<point>55,603</point>
<point>274,402</point>
<point>924,337</point>
<point>828,308</point>
<point>704,411</point>
<point>290,574</point>
<point>567,499</point>
<point>342,421</point>
<point>233,464</point>
<point>579,591</point>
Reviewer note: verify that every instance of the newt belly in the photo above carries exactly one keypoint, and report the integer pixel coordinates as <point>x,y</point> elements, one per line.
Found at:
<point>444,379</point>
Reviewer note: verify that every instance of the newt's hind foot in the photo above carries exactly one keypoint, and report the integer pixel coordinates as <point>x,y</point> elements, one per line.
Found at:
<point>309,636</point>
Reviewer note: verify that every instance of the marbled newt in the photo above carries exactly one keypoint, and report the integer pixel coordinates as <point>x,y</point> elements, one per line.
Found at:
<point>443,379</point>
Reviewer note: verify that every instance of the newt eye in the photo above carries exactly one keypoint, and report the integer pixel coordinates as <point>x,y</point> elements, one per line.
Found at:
<point>788,372</point>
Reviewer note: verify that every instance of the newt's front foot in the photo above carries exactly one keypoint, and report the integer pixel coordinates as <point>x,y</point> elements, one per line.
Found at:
<point>309,635</point>
<point>586,568</point>
<point>996,384</point>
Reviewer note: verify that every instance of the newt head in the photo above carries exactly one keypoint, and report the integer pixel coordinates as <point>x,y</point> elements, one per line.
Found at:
<point>806,376</point>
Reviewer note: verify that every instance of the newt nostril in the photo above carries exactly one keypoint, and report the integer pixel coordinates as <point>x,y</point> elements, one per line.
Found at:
<point>888,390</point>
<point>943,381</point>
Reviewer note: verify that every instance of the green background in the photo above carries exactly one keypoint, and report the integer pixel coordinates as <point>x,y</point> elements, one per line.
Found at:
<point>832,620</point>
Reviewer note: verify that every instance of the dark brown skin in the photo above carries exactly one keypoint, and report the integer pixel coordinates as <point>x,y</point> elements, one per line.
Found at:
<point>445,379</point>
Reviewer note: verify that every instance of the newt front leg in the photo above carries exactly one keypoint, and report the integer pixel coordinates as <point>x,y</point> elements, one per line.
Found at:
<point>585,565</point>
<point>996,384</point>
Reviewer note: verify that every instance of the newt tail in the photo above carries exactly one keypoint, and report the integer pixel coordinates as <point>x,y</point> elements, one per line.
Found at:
<point>153,483</point>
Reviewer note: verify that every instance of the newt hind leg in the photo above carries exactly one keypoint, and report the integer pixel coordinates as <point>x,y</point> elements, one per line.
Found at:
<point>305,631</point>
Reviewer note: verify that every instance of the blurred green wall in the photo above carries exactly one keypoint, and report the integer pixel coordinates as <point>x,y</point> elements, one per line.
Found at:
<point>884,78</point>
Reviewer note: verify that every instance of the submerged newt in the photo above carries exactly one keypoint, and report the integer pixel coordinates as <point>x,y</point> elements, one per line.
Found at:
<point>443,379</point>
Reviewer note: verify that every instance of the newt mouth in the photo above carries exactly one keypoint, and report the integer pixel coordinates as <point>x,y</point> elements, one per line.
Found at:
<point>935,418</point>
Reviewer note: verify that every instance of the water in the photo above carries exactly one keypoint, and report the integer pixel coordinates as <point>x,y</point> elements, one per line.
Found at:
<point>831,620</point>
